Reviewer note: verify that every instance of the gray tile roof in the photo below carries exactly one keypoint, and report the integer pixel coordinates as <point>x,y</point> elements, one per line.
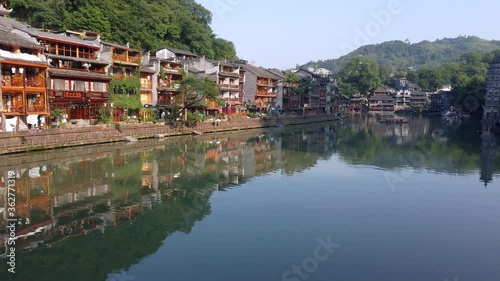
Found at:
<point>259,71</point>
<point>11,23</point>
<point>76,59</point>
<point>9,38</point>
<point>78,74</point>
<point>147,70</point>
<point>61,37</point>
<point>277,72</point>
<point>119,46</point>
<point>181,52</point>
<point>382,98</point>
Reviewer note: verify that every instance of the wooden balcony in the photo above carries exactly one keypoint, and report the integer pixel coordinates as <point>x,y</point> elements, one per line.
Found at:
<point>169,86</point>
<point>37,82</point>
<point>37,108</point>
<point>265,84</point>
<point>13,109</point>
<point>126,59</point>
<point>147,86</point>
<point>77,94</point>
<point>229,74</point>
<point>266,95</point>
<point>171,70</point>
<point>230,87</point>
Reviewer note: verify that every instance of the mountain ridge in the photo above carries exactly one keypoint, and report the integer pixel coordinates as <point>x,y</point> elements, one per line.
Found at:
<point>402,54</point>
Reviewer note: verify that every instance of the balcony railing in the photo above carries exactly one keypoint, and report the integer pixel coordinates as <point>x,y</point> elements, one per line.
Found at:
<point>35,83</point>
<point>169,86</point>
<point>267,95</point>
<point>37,108</point>
<point>13,109</point>
<point>171,70</point>
<point>231,74</point>
<point>148,86</point>
<point>12,81</point>
<point>229,86</point>
<point>125,58</point>
<point>77,94</point>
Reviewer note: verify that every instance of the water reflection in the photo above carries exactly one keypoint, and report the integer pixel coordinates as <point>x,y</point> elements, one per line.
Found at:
<point>85,217</point>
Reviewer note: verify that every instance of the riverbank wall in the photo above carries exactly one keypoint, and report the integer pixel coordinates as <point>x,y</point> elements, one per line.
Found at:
<point>26,141</point>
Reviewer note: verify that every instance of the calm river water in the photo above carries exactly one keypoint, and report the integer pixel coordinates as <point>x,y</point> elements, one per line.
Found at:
<point>357,200</point>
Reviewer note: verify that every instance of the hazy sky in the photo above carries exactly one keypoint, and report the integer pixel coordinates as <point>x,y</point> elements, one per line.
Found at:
<point>281,33</point>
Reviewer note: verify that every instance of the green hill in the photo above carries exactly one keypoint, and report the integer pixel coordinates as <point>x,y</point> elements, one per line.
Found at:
<point>397,54</point>
<point>146,25</point>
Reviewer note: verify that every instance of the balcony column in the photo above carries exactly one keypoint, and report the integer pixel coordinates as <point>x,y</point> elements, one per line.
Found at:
<point>24,97</point>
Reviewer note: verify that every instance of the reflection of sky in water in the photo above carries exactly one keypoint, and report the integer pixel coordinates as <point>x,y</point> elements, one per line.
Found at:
<point>395,217</point>
<point>431,227</point>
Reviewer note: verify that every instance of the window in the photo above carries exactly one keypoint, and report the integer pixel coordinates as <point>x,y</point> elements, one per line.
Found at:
<point>98,86</point>
<point>58,84</point>
<point>80,86</point>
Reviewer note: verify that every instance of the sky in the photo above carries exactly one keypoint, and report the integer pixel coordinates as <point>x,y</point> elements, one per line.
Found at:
<point>283,33</point>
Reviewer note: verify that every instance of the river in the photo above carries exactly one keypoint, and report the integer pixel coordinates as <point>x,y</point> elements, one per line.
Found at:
<point>352,200</point>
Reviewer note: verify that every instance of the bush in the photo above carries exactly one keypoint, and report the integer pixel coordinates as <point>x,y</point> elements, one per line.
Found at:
<point>105,116</point>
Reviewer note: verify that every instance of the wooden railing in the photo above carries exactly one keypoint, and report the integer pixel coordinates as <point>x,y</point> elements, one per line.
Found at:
<point>125,58</point>
<point>35,83</point>
<point>232,74</point>
<point>147,86</point>
<point>229,86</point>
<point>267,95</point>
<point>174,86</point>
<point>36,108</point>
<point>13,109</point>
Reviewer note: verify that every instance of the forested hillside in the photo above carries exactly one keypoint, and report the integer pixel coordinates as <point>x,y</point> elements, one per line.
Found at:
<point>146,25</point>
<point>398,54</point>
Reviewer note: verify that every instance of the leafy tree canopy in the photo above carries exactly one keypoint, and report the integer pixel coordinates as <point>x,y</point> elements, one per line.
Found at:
<point>399,54</point>
<point>147,25</point>
<point>359,75</point>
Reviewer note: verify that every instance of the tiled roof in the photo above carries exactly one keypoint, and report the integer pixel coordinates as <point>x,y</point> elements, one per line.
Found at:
<point>119,46</point>
<point>64,38</point>
<point>11,23</point>
<point>77,59</point>
<point>147,70</point>
<point>78,74</point>
<point>260,72</point>
<point>10,38</point>
<point>382,98</point>
<point>182,52</point>
<point>277,72</point>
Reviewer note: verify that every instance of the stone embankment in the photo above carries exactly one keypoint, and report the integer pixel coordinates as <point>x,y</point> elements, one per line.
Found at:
<point>57,138</point>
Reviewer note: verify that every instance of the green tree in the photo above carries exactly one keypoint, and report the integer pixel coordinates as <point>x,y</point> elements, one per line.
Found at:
<point>362,74</point>
<point>197,91</point>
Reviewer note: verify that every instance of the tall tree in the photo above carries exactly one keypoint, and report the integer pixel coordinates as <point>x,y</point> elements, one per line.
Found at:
<point>362,74</point>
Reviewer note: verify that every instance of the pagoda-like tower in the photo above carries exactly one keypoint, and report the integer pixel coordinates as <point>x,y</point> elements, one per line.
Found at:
<point>492,98</point>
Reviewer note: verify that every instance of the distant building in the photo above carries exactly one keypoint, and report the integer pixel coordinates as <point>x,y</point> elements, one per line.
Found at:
<point>419,100</point>
<point>315,95</point>
<point>261,87</point>
<point>382,101</point>
<point>491,113</point>
<point>123,65</point>
<point>440,101</point>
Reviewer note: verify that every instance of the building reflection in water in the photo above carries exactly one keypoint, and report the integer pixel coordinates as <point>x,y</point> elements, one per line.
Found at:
<point>111,186</point>
<point>488,156</point>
